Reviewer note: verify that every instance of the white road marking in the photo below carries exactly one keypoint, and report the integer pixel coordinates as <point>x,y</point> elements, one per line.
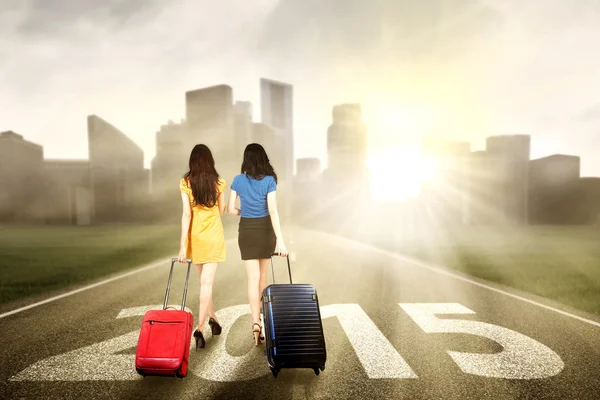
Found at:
<point>521,357</point>
<point>443,271</point>
<point>97,362</point>
<point>371,346</point>
<point>91,363</point>
<point>220,366</point>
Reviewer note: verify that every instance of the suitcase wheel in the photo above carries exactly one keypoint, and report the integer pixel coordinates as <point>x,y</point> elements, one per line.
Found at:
<point>316,371</point>
<point>274,372</point>
<point>322,367</point>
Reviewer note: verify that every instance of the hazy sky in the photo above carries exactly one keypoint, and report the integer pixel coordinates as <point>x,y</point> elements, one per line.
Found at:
<point>461,69</point>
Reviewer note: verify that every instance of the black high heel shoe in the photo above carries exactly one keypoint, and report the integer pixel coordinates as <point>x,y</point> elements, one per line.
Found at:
<point>215,328</point>
<point>200,342</point>
<point>257,334</point>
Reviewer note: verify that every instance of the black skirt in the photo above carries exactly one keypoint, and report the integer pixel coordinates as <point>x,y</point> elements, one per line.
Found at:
<point>256,238</point>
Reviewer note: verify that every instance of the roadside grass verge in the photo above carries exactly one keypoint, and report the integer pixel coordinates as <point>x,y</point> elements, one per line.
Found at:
<point>558,263</point>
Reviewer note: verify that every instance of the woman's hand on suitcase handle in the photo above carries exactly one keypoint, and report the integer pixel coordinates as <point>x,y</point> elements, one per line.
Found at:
<point>182,253</point>
<point>281,249</point>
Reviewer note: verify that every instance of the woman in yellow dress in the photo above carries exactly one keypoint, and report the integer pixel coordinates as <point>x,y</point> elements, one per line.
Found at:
<point>202,237</point>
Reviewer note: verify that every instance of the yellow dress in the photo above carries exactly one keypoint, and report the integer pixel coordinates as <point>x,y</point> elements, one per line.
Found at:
<point>205,241</point>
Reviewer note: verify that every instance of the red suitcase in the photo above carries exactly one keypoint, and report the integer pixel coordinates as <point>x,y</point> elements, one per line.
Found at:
<point>164,343</point>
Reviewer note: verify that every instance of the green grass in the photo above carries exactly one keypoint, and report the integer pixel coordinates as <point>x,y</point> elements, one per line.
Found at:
<point>558,263</point>
<point>38,259</point>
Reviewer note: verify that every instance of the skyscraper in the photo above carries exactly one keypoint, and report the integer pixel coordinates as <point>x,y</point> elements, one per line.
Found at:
<point>68,197</point>
<point>590,199</point>
<point>307,189</point>
<point>210,120</point>
<point>21,166</point>
<point>512,153</point>
<point>117,172</point>
<point>347,152</point>
<point>273,144</point>
<point>347,140</point>
<point>209,109</point>
<point>554,193</point>
<point>276,100</point>
<point>168,166</point>
<point>242,111</point>
<point>344,188</point>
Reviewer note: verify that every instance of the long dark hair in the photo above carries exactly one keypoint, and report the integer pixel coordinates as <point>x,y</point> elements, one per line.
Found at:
<point>256,163</point>
<point>202,176</point>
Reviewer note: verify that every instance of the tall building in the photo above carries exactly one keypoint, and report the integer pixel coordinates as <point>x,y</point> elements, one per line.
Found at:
<point>276,99</point>
<point>554,190</point>
<point>307,189</point>
<point>511,153</point>
<point>242,111</point>
<point>590,199</point>
<point>172,156</point>
<point>173,148</point>
<point>68,196</point>
<point>210,120</point>
<point>172,138</point>
<point>347,141</point>
<point>273,144</point>
<point>22,179</point>
<point>446,195</point>
<point>345,181</point>
<point>117,173</point>
<point>347,152</point>
<point>209,109</point>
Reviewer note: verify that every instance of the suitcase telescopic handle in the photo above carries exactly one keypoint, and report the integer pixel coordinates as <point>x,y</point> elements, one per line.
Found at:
<point>288,264</point>
<point>187,278</point>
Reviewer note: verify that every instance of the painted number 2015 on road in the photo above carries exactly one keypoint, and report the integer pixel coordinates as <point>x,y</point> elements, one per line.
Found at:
<point>521,356</point>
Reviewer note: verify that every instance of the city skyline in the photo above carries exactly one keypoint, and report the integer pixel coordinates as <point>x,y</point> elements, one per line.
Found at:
<point>474,77</point>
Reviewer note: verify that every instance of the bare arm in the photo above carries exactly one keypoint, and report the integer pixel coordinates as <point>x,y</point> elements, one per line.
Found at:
<point>221,203</point>
<point>186,217</point>
<point>272,205</point>
<point>231,208</point>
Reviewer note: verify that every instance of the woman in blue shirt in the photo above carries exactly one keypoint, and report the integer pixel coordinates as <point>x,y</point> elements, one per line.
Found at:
<point>259,229</point>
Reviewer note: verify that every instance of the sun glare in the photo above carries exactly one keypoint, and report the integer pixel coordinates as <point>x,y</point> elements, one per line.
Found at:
<point>397,168</point>
<point>397,174</point>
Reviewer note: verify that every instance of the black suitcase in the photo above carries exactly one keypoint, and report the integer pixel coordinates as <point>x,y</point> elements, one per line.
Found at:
<point>293,328</point>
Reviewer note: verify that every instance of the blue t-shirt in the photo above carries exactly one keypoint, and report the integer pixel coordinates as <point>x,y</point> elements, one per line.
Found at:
<point>253,194</point>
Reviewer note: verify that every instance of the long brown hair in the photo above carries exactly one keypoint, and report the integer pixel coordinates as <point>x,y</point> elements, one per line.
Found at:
<point>256,163</point>
<point>202,176</point>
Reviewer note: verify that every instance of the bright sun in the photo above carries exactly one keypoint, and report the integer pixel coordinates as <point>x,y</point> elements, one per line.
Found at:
<point>397,167</point>
<point>397,174</point>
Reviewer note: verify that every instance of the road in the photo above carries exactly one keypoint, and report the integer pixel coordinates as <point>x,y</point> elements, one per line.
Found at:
<point>394,329</point>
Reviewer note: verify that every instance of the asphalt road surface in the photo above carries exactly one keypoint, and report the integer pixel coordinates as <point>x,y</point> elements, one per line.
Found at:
<point>394,329</point>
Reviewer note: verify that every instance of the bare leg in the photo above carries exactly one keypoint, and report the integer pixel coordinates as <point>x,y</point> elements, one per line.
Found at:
<point>211,310</point>
<point>264,270</point>
<point>253,272</point>
<point>200,293</point>
<point>207,278</point>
